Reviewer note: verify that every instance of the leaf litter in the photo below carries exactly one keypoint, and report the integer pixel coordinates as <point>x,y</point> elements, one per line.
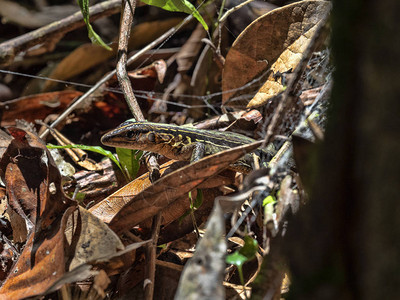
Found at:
<point>52,243</point>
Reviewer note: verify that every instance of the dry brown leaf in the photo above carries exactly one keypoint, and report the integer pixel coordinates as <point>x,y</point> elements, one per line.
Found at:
<point>39,106</point>
<point>34,191</point>
<point>273,43</point>
<point>155,70</point>
<point>169,188</point>
<point>110,206</point>
<point>92,239</point>
<point>189,51</point>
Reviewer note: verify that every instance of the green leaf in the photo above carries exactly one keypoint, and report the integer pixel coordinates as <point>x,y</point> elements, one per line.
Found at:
<point>246,253</point>
<point>178,5</point>
<point>236,259</point>
<point>269,200</point>
<point>96,149</point>
<point>250,247</point>
<point>130,160</point>
<point>198,201</point>
<point>194,205</point>
<point>94,37</point>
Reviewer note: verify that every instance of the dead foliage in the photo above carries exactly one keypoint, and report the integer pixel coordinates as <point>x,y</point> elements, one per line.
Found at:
<point>74,225</point>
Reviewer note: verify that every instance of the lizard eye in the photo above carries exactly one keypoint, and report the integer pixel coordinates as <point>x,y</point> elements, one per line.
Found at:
<point>130,134</point>
<point>151,137</point>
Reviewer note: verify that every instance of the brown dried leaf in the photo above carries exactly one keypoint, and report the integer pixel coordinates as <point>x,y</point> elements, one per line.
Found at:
<point>35,193</point>
<point>189,51</point>
<point>110,206</point>
<point>37,106</point>
<point>273,43</point>
<point>156,70</point>
<point>92,239</point>
<point>169,188</point>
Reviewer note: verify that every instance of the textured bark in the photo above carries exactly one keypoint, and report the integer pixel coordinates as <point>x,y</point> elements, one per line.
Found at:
<point>345,243</point>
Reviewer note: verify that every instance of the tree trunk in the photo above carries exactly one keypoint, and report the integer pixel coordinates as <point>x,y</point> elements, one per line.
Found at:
<point>345,244</point>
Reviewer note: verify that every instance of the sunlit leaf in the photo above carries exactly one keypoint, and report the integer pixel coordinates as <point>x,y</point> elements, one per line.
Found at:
<point>96,149</point>
<point>84,6</point>
<point>178,5</point>
<point>129,159</point>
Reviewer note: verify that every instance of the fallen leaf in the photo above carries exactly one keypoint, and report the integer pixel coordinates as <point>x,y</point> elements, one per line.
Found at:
<point>269,47</point>
<point>34,191</point>
<point>39,106</point>
<point>92,239</point>
<point>169,188</point>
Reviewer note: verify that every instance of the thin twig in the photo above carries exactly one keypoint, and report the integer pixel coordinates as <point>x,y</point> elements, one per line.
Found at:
<point>122,74</point>
<point>233,9</point>
<point>151,254</point>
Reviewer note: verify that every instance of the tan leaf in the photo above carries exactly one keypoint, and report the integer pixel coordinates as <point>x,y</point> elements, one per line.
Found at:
<point>92,238</point>
<point>271,45</point>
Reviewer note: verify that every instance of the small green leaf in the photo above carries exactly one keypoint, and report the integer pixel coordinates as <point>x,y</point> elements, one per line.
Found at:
<point>246,253</point>
<point>236,259</point>
<point>198,201</point>
<point>94,37</point>
<point>250,247</point>
<point>130,160</point>
<point>269,200</point>
<point>178,5</point>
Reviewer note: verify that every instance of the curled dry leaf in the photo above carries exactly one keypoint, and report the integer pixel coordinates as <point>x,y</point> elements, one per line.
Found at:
<point>169,188</point>
<point>61,237</point>
<point>270,46</point>
<point>110,206</point>
<point>155,70</point>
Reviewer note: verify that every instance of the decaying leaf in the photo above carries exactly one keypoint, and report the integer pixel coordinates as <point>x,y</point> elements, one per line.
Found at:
<point>267,49</point>
<point>106,209</point>
<point>39,106</point>
<point>60,237</point>
<point>93,239</point>
<point>169,188</point>
<point>203,274</point>
<point>35,193</point>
